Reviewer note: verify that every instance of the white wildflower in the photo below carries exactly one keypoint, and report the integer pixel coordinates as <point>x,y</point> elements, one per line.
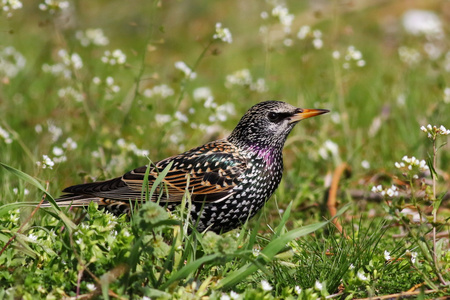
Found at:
<point>303,32</point>
<point>69,144</point>
<point>361,275</point>
<point>57,151</point>
<point>11,62</point>
<point>284,16</point>
<point>47,162</point>
<point>55,131</point>
<point>365,164</point>
<point>225,297</point>
<point>94,36</point>
<point>180,65</point>
<point>409,56</point>
<point>180,116</point>
<point>53,5</point>
<point>234,295</point>
<point>422,22</point>
<point>266,286</point>
<point>8,5</point>
<point>162,119</point>
<point>223,34</point>
<point>329,147</point>
<point>259,85</point>
<point>70,93</point>
<point>38,128</point>
<point>202,93</point>
<point>116,57</point>
<point>297,290</point>
<point>318,285</point>
<point>447,95</point>
<point>5,135</point>
<point>317,43</point>
<point>387,255</point>
<point>434,131</point>
<point>162,91</point>
<point>91,287</point>
<point>336,54</point>
<point>288,42</point>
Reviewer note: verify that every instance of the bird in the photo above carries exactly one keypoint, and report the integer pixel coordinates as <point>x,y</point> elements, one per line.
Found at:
<point>229,179</point>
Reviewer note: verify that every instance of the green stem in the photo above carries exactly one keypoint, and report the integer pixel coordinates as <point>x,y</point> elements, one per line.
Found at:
<point>194,67</point>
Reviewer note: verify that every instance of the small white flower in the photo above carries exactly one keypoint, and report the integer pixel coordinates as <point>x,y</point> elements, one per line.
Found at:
<point>303,32</point>
<point>11,61</point>
<point>47,162</point>
<point>266,286</point>
<point>91,287</point>
<point>92,36</point>
<point>162,119</point>
<point>351,266</point>
<point>180,65</point>
<point>57,151</point>
<point>317,43</point>
<point>387,255</point>
<point>69,144</point>
<point>163,91</point>
<point>225,297</point>
<point>365,164</point>
<point>409,56</point>
<point>180,116</point>
<point>223,34</point>
<point>362,276</point>
<point>114,57</point>
<point>5,135</point>
<point>284,16</point>
<point>336,54</point>
<point>447,94</point>
<point>234,295</point>
<point>297,290</point>
<point>318,285</point>
<point>288,42</point>
<point>422,22</point>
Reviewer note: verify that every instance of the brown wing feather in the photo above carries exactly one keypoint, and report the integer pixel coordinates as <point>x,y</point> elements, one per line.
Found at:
<point>213,171</point>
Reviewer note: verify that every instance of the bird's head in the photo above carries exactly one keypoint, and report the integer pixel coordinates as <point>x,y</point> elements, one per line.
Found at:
<point>267,124</point>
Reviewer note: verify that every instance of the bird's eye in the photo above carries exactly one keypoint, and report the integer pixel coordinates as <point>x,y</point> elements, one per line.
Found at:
<point>273,117</point>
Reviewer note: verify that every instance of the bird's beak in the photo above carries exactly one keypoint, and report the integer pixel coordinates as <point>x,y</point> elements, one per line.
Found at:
<point>305,113</point>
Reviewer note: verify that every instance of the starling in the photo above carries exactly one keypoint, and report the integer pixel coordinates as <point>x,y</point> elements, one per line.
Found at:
<point>229,179</point>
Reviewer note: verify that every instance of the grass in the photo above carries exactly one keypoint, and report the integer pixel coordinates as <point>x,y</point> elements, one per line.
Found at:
<point>94,127</point>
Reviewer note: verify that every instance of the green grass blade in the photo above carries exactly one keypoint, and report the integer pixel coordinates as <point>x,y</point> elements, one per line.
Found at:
<point>6,208</point>
<point>27,178</point>
<point>188,270</point>
<point>271,250</point>
<point>284,219</point>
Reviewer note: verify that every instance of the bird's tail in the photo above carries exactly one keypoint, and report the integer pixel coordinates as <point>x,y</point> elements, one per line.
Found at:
<point>74,200</point>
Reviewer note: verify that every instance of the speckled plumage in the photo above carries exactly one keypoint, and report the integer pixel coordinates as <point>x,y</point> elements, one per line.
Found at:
<point>229,179</point>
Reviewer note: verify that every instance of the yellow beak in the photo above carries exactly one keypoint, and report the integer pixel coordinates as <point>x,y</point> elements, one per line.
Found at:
<point>307,113</point>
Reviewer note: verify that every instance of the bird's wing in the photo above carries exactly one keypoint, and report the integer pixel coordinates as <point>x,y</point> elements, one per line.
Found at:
<point>212,171</point>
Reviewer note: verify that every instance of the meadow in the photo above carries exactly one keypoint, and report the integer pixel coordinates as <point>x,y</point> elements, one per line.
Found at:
<point>92,89</point>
